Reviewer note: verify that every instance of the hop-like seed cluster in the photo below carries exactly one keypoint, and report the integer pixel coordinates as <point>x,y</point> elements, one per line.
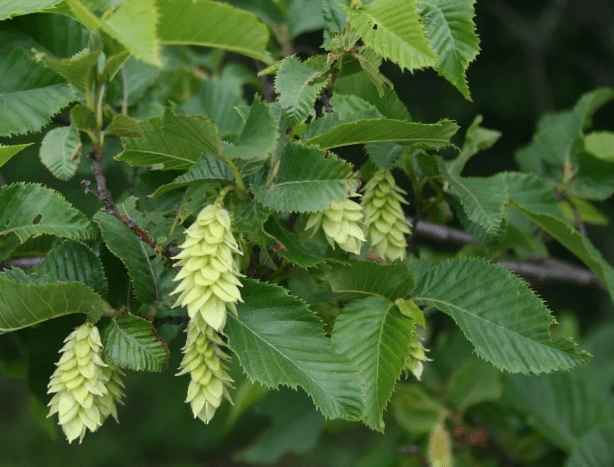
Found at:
<point>209,276</point>
<point>85,388</point>
<point>417,356</point>
<point>342,224</point>
<point>204,360</point>
<point>386,223</point>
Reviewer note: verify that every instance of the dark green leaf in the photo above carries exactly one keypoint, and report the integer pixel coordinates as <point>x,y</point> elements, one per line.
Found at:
<point>249,217</point>
<point>131,342</point>
<point>294,248</point>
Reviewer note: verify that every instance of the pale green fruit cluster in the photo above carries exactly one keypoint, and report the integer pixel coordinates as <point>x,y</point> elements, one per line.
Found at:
<point>342,224</point>
<point>85,388</point>
<point>417,356</point>
<point>204,360</point>
<point>209,277</point>
<point>384,217</point>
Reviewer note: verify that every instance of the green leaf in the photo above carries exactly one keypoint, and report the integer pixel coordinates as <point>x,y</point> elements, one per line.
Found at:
<point>333,15</point>
<point>213,24</point>
<point>424,135</point>
<point>279,341</point>
<point>78,70</point>
<point>82,117</point>
<point>11,8</point>
<point>477,139</point>
<point>206,168</point>
<point>132,343</point>
<point>133,25</point>
<point>30,210</point>
<point>307,180</point>
<point>125,126</point>
<point>596,449</point>
<point>359,84</point>
<point>25,304</point>
<point>60,151</point>
<point>385,155</point>
<point>216,100</point>
<point>298,86</point>
<point>174,141</point>
<point>483,199</point>
<point>249,218</point>
<point>135,255</point>
<point>304,16</point>
<point>30,94</point>
<point>415,411</point>
<point>473,383</point>
<point>375,337</point>
<point>449,28</point>
<point>359,278</point>
<point>393,29</point>
<point>294,248</point>
<point>505,321</point>
<point>562,406</point>
<point>258,136</point>
<point>71,261</point>
<point>600,144</point>
<point>295,427</point>
<point>535,200</point>
<point>6,152</point>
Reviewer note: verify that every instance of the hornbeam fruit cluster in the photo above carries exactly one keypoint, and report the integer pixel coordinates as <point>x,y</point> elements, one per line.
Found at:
<point>85,388</point>
<point>384,217</point>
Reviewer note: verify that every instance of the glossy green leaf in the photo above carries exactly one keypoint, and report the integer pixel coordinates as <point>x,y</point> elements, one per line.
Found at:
<point>30,93</point>
<point>394,30</point>
<point>25,304</point>
<point>279,341</point>
<point>298,86</point>
<point>424,135</point>
<point>354,279</point>
<point>173,141</point>
<point>213,24</point>
<point>307,180</point>
<point>71,261</point>
<point>6,152</point>
<point>60,151</point>
<point>30,210</point>
<point>135,255</point>
<point>449,28</point>
<point>375,337</point>
<point>506,322</point>
<point>132,343</point>
<point>206,168</point>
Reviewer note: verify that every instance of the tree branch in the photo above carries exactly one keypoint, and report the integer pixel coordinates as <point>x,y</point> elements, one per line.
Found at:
<point>21,263</point>
<point>104,195</point>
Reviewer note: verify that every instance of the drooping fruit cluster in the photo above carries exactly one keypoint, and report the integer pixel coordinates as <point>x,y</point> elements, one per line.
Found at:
<point>86,389</point>
<point>204,360</point>
<point>384,217</point>
<point>342,224</point>
<point>209,287</point>
<point>209,278</point>
<point>417,356</point>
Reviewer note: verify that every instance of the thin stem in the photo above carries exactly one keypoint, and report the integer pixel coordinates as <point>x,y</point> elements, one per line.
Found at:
<point>125,86</point>
<point>236,172</point>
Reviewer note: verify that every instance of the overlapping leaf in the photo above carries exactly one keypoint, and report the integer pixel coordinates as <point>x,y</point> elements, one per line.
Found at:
<point>123,125</point>
<point>298,86</point>
<point>30,94</point>
<point>60,151</point>
<point>279,341</point>
<point>375,337</point>
<point>11,8</point>
<point>448,25</point>
<point>307,180</point>
<point>354,279</point>
<point>424,135</point>
<point>25,304</point>
<point>477,139</point>
<point>132,342</point>
<point>505,321</point>
<point>293,248</point>
<point>78,70</point>
<point>394,30</point>
<point>213,24</point>
<point>30,210</point>
<point>6,152</point>
<point>135,255</point>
